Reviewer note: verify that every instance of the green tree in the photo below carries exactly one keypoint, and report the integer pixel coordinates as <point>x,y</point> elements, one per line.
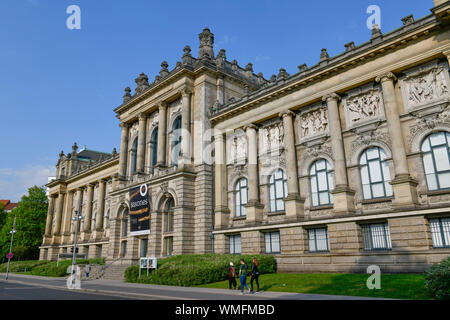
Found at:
<point>31,216</point>
<point>2,216</point>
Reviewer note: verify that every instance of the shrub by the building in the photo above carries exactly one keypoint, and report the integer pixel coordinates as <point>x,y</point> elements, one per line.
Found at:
<point>191,270</point>
<point>437,280</point>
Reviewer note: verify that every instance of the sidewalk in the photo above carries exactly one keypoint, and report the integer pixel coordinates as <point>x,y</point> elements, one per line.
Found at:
<point>146,291</point>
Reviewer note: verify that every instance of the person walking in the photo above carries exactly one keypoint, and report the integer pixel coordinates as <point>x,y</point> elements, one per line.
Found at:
<point>232,276</point>
<point>243,269</point>
<point>255,274</point>
<point>87,269</point>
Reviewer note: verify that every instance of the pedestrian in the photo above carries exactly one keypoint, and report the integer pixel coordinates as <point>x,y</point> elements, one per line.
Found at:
<point>255,274</point>
<point>232,276</point>
<point>87,269</point>
<point>243,269</point>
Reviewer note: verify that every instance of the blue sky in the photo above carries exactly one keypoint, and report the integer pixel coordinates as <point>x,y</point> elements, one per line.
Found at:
<point>58,86</point>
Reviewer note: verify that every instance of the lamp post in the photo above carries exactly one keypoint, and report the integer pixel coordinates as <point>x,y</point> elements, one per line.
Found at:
<point>76,218</point>
<point>10,246</point>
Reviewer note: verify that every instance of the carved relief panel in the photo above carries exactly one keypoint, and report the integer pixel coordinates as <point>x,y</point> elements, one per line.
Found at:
<point>271,137</point>
<point>237,147</point>
<point>363,105</point>
<point>425,85</point>
<point>313,123</point>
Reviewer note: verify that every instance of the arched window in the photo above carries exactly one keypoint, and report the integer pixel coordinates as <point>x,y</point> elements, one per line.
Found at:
<point>168,216</point>
<point>154,144</point>
<point>436,160</point>
<point>321,180</point>
<point>241,197</point>
<point>375,174</point>
<point>176,140</point>
<point>277,190</point>
<point>125,223</point>
<point>134,156</point>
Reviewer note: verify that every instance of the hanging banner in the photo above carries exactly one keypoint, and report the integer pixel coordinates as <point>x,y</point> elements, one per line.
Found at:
<point>139,211</point>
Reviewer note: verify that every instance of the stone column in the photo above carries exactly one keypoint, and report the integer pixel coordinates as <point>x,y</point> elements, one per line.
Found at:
<point>162,124</point>
<point>343,196</point>
<point>123,151</point>
<point>51,208</point>
<point>78,209</point>
<point>447,54</point>
<point>59,212</point>
<point>254,207</point>
<point>101,206</point>
<point>68,216</point>
<point>293,202</point>
<point>141,144</point>
<point>221,211</point>
<point>90,198</point>
<point>186,128</point>
<point>404,187</point>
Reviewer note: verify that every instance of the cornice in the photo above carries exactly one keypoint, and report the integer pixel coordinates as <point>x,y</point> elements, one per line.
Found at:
<point>99,167</point>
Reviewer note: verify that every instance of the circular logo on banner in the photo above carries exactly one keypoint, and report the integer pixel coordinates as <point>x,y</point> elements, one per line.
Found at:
<point>9,255</point>
<point>143,190</point>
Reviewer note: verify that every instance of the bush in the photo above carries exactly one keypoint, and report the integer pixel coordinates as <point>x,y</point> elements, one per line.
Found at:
<point>46,268</point>
<point>191,270</point>
<point>437,280</point>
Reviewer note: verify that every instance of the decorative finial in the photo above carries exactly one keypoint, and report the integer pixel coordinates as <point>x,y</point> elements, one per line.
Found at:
<point>302,67</point>
<point>376,31</point>
<point>127,95</point>
<point>273,78</point>
<point>408,20</point>
<point>187,57</point>
<point>61,154</point>
<point>260,78</point>
<point>142,83</point>
<point>283,74</point>
<point>349,46</point>
<point>164,69</point>
<point>324,55</point>
<point>114,152</point>
<point>206,44</point>
<point>234,65</point>
<point>74,148</point>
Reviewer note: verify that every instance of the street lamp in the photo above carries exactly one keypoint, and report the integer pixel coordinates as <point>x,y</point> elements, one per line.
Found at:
<point>76,218</point>
<point>10,246</point>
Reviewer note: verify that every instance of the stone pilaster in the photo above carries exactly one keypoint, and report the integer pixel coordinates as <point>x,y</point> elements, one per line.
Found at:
<point>88,217</point>
<point>155,240</point>
<point>293,202</point>
<point>123,151</point>
<point>48,224</point>
<point>221,210</point>
<point>186,154</point>
<point>404,187</point>
<point>67,220</point>
<point>141,144</point>
<point>59,213</point>
<point>343,196</point>
<point>254,207</point>
<point>162,124</point>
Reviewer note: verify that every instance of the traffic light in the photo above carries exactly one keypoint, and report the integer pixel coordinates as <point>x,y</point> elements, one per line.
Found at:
<point>71,250</point>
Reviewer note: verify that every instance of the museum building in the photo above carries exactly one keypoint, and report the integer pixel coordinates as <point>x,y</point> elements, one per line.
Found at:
<point>342,165</point>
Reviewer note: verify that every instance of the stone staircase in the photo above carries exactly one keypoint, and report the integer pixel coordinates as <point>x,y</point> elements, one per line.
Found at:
<point>113,270</point>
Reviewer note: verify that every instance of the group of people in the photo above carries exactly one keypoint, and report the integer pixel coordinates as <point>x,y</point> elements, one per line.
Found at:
<point>243,272</point>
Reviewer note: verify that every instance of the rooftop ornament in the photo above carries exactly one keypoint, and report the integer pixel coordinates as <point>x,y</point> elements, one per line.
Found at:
<point>127,95</point>
<point>349,46</point>
<point>164,69</point>
<point>324,56</point>
<point>142,83</point>
<point>302,67</point>
<point>187,57</point>
<point>408,20</point>
<point>206,44</point>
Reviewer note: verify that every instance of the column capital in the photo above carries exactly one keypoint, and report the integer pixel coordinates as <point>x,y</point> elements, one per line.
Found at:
<point>91,184</point>
<point>142,116</point>
<point>124,125</point>
<point>286,113</point>
<point>185,91</point>
<point>78,189</point>
<point>102,180</point>
<point>162,105</point>
<point>331,96</point>
<point>388,76</point>
<point>250,126</point>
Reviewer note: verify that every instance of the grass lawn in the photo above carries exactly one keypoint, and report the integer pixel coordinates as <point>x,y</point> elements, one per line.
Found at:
<point>398,286</point>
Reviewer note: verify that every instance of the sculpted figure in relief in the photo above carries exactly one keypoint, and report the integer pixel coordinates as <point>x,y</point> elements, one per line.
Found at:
<point>427,87</point>
<point>364,106</point>
<point>314,122</point>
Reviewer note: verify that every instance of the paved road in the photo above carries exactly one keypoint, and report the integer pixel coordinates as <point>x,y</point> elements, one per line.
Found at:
<point>33,287</point>
<point>19,291</point>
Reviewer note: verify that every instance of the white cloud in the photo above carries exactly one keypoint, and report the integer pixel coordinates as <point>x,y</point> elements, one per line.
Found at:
<point>14,183</point>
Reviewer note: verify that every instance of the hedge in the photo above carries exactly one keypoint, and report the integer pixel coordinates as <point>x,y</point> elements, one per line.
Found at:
<point>191,270</point>
<point>46,268</point>
<point>437,280</point>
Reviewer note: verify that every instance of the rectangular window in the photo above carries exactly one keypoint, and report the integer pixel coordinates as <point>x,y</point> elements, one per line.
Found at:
<point>318,240</point>
<point>168,246</point>
<point>376,236</point>
<point>235,244</point>
<point>272,242</point>
<point>440,232</point>
<point>144,247</point>
<point>99,251</point>
<point>123,250</point>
